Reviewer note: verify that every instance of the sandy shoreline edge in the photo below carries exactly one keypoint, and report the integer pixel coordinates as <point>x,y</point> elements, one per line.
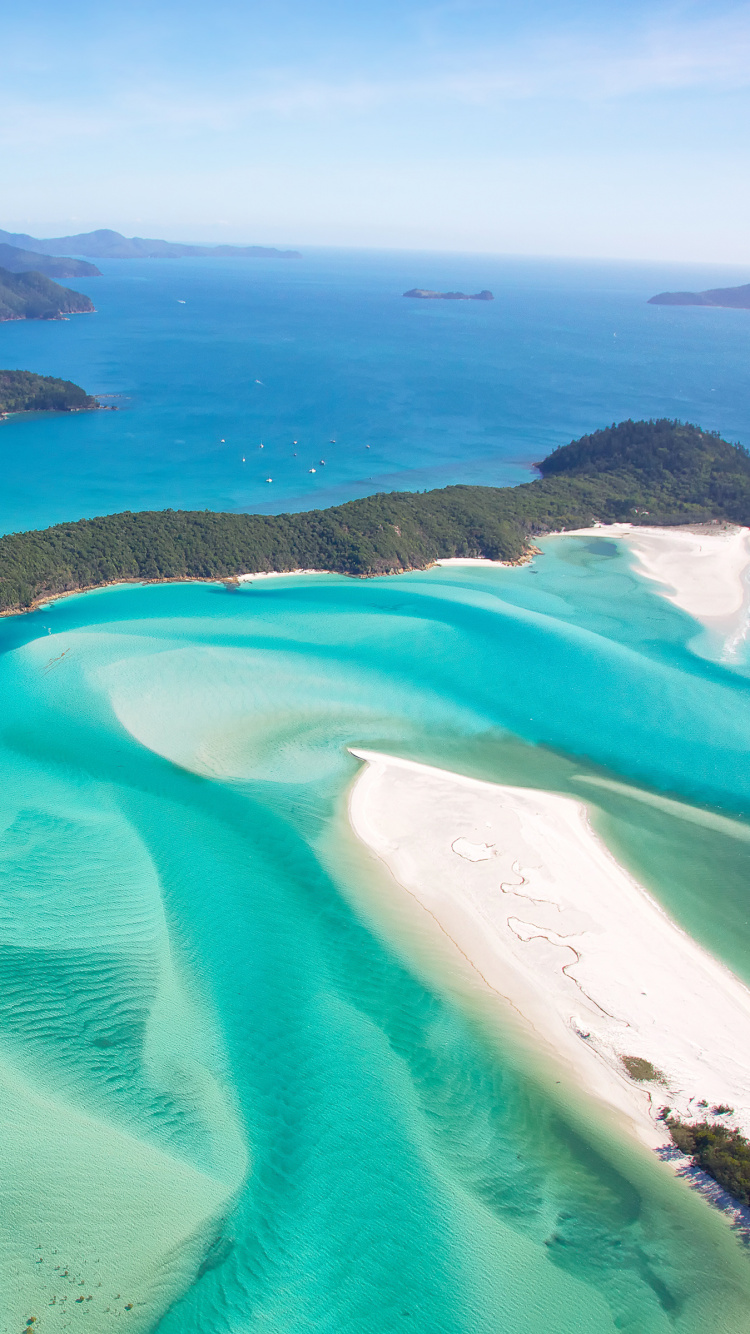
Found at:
<point>704,569</point>
<point>530,895</point>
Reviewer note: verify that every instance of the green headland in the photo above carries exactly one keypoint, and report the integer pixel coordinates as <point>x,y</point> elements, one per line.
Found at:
<point>648,472</point>
<point>23,391</point>
<point>33,296</point>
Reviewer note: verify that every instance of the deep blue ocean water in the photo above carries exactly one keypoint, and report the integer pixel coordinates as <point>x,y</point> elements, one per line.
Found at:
<point>415,394</point>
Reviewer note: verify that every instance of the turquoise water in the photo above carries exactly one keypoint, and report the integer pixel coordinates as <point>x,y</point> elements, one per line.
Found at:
<point>257,1102</point>
<point>415,394</point>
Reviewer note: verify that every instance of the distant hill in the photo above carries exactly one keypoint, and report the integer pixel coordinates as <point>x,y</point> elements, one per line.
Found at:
<point>21,261</point>
<point>734,297</point>
<point>32,296</point>
<point>23,391</point>
<point>106,244</point>
<point>665,466</point>
<point>425,294</point>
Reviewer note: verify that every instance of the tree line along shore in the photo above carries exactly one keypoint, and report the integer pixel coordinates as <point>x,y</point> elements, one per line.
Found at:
<point>649,472</point>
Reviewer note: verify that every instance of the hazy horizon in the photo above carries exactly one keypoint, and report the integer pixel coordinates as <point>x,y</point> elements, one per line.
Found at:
<point>238,236</point>
<point>564,130</point>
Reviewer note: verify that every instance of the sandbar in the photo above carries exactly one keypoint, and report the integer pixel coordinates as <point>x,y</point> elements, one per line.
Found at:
<point>572,945</point>
<point>703,569</point>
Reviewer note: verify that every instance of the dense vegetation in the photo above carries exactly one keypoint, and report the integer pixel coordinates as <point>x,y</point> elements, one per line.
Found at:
<point>670,466</point>
<point>721,1151</point>
<point>23,391</point>
<point>651,472</point>
<point>31,296</point>
<point>21,261</point>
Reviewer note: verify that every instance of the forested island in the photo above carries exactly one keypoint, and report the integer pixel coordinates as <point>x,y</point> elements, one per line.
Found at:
<point>424,294</point>
<point>21,261</point>
<point>737,298</point>
<point>106,244</point>
<point>32,296</point>
<point>23,391</point>
<point>652,472</point>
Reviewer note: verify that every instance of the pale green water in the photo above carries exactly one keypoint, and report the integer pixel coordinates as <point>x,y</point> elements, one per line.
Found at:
<point>216,1058</point>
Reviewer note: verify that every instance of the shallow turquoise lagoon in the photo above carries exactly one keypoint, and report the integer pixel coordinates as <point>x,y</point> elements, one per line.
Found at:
<point>239,1094</point>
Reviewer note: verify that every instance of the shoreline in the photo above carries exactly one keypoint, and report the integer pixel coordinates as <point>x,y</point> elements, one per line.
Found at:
<point>704,569</point>
<point>696,575</point>
<point>568,941</point>
<point>225,580</point>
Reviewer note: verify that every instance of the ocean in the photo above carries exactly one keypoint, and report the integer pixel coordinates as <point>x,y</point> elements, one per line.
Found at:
<point>415,394</point>
<point>240,1091</point>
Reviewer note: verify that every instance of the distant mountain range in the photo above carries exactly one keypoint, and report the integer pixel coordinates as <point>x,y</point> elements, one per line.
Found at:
<point>32,296</point>
<point>21,261</point>
<point>734,297</point>
<point>106,244</point>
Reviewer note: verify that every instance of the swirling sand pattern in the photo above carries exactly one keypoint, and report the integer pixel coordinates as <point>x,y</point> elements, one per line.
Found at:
<point>233,1088</point>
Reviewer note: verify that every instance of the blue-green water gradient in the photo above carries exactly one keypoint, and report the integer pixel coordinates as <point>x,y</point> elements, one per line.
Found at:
<point>409,1166</point>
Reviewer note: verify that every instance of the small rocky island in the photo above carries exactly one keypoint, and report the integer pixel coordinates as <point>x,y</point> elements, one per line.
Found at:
<point>737,298</point>
<point>424,294</point>
<point>32,296</point>
<point>24,391</point>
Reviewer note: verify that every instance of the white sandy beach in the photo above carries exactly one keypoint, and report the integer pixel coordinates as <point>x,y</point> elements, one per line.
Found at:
<point>526,891</point>
<point>703,572</point>
<point>276,574</point>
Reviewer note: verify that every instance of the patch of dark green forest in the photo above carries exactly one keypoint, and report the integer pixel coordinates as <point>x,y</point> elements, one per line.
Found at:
<point>24,391</point>
<point>657,472</point>
<point>32,296</point>
<point>721,1151</point>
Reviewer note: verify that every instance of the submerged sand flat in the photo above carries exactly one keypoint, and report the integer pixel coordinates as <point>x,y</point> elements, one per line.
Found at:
<point>533,899</point>
<point>703,571</point>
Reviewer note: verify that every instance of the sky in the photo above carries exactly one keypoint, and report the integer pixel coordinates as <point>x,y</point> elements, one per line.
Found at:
<point>588,128</point>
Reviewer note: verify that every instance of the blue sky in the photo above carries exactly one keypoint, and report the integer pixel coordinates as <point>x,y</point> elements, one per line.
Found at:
<point>568,128</point>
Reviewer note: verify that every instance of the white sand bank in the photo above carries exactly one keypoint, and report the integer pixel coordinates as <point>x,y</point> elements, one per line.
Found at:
<point>533,899</point>
<point>704,573</point>
<point>276,574</point>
